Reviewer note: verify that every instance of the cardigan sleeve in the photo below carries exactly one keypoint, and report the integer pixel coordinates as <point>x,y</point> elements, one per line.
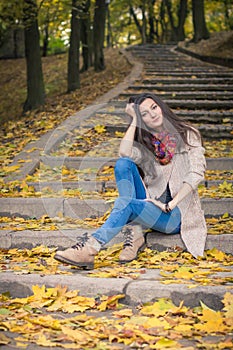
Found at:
<point>136,155</point>
<point>196,161</point>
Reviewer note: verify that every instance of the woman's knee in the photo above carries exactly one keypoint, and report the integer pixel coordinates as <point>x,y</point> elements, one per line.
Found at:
<point>123,163</point>
<point>121,203</point>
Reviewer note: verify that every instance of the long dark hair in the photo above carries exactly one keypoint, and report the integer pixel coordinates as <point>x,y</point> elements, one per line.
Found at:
<point>142,134</point>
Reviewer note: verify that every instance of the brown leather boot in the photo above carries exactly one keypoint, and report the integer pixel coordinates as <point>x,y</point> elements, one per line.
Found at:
<point>133,244</point>
<point>82,254</point>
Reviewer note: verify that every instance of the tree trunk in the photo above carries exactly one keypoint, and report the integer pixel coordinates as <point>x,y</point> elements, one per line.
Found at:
<point>162,22</point>
<point>109,29</point>
<point>177,31</point>
<point>46,36</point>
<point>133,14</point>
<point>199,24</point>
<point>85,36</point>
<point>170,15</point>
<point>35,83</point>
<point>151,21</point>
<point>73,59</point>
<point>182,14</point>
<point>144,37</point>
<point>98,34</point>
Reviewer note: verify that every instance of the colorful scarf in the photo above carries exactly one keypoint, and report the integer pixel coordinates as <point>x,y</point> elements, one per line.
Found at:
<point>164,147</point>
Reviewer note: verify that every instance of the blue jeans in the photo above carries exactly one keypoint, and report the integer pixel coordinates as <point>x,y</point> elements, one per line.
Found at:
<point>130,206</point>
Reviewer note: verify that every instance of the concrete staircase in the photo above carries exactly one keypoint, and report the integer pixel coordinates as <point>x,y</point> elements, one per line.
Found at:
<point>198,92</point>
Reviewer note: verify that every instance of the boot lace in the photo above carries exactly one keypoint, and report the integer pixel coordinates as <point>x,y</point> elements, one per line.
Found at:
<point>81,241</point>
<point>128,237</point>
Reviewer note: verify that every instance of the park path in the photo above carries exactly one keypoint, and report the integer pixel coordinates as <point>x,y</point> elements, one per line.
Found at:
<point>196,91</point>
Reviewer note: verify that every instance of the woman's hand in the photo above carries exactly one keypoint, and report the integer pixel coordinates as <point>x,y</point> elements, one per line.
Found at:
<point>129,109</point>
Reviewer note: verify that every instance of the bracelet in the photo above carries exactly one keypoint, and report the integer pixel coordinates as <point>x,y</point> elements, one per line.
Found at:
<point>167,208</point>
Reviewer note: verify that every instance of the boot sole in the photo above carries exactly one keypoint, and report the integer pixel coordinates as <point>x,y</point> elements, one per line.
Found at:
<point>85,266</point>
<point>139,251</point>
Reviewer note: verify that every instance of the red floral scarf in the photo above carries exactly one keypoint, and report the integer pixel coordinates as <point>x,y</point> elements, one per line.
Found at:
<point>164,147</point>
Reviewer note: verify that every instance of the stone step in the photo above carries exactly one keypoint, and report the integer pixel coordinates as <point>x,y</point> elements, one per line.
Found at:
<point>197,81</point>
<point>185,65</point>
<point>202,116</point>
<point>99,186</point>
<point>99,162</point>
<point>133,289</point>
<point>79,209</point>
<point>215,131</point>
<point>182,104</point>
<point>208,130</point>
<point>191,69</point>
<point>212,116</point>
<point>180,83</point>
<point>184,95</point>
<point>187,74</point>
<point>207,89</point>
<point>65,237</point>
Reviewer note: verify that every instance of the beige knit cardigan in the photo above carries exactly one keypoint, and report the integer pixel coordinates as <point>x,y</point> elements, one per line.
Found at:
<point>188,165</point>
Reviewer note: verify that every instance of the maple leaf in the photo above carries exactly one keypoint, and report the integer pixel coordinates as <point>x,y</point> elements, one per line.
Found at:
<point>159,308</point>
<point>123,313</point>
<point>164,343</point>
<point>110,302</point>
<point>100,129</point>
<point>228,306</point>
<point>212,321</point>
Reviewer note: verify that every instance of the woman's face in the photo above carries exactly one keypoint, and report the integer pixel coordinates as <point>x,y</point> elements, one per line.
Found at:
<point>151,114</point>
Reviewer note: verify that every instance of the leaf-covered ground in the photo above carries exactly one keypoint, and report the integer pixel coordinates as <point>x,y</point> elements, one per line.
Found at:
<point>215,225</point>
<point>176,266</point>
<point>219,44</point>
<point>17,130</point>
<point>104,323</point>
<point>22,189</point>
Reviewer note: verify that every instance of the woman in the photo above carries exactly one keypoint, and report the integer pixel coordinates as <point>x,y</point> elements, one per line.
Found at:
<point>160,166</point>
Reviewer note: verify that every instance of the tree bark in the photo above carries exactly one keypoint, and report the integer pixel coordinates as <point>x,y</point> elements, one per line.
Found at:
<point>199,24</point>
<point>182,14</point>
<point>46,36</point>
<point>177,31</point>
<point>98,35</point>
<point>73,57</point>
<point>144,36</point>
<point>151,21</point>
<point>133,14</point>
<point>35,83</point>
<point>85,36</point>
<point>109,28</point>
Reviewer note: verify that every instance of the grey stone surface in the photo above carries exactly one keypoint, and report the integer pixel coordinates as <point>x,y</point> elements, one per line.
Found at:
<point>141,292</point>
<point>64,238</point>
<point>78,162</point>
<point>80,209</point>
<point>220,163</point>
<point>147,288</point>
<point>31,207</point>
<point>88,286</point>
<point>214,206</point>
<point>77,208</point>
<point>98,162</point>
<point>161,242</point>
<point>92,185</point>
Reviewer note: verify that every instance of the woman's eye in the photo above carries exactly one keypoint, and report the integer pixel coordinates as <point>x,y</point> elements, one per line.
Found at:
<point>154,107</point>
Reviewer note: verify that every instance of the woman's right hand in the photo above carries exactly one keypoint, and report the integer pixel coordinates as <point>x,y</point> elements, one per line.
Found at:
<point>131,112</point>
